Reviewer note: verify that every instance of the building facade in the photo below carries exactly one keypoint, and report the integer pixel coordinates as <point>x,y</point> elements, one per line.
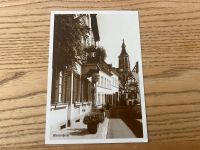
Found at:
<point>107,87</point>
<point>132,92</point>
<point>72,88</point>
<point>91,83</point>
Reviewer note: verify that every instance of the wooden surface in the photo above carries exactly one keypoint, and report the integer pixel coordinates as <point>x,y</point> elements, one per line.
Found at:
<point>170,37</point>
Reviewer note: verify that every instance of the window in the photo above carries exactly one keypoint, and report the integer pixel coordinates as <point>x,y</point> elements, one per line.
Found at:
<point>60,87</point>
<point>98,100</point>
<point>101,99</point>
<point>101,81</point>
<point>67,87</point>
<point>105,82</point>
<point>75,87</point>
<point>85,90</point>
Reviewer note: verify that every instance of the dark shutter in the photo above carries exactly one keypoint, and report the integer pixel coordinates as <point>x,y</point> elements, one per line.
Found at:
<point>67,87</point>
<point>63,94</point>
<point>75,87</point>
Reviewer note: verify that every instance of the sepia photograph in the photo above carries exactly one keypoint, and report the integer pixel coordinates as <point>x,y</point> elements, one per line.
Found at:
<point>95,78</point>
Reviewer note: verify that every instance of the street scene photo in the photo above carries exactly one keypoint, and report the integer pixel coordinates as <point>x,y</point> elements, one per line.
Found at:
<point>95,80</point>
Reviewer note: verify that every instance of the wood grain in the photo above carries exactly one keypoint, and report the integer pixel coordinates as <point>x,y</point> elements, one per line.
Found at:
<point>170,36</point>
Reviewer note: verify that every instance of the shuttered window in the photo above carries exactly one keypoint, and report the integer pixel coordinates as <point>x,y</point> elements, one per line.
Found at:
<point>75,88</point>
<point>67,87</point>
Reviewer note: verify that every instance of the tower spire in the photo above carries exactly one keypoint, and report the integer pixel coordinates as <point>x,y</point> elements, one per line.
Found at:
<point>124,64</point>
<point>123,45</point>
<point>123,48</point>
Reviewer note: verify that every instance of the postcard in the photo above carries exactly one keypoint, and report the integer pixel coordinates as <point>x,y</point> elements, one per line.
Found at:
<point>95,80</point>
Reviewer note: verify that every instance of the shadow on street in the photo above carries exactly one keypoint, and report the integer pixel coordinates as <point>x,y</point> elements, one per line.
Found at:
<point>129,119</point>
<point>78,132</point>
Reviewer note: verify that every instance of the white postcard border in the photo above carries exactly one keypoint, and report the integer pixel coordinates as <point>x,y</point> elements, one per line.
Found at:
<point>141,85</point>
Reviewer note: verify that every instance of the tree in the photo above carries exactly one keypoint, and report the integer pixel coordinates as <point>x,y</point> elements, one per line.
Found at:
<point>100,52</point>
<point>69,31</point>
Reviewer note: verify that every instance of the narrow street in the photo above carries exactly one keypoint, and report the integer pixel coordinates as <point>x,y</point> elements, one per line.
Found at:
<point>118,129</point>
<point>123,125</point>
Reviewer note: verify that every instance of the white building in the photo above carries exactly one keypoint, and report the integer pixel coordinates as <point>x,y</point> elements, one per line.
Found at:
<point>107,87</point>
<point>74,98</point>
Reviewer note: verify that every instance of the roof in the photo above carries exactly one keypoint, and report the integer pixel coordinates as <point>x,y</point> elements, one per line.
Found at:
<point>105,67</point>
<point>115,71</point>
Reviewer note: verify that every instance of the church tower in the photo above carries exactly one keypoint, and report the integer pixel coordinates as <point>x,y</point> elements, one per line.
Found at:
<point>124,65</point>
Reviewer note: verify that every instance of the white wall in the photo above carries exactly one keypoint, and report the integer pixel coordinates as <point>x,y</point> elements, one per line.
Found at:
<point>79,111</point>
<point>58,117</point>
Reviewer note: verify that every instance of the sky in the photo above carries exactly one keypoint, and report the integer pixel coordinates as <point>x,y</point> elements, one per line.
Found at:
<point>113,28</point>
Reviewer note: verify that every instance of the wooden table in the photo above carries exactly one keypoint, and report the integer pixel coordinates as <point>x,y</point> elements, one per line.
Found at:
<point>170,37</point>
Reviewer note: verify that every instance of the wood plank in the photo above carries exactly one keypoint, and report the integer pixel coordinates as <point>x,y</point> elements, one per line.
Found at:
<point>170,36</point>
